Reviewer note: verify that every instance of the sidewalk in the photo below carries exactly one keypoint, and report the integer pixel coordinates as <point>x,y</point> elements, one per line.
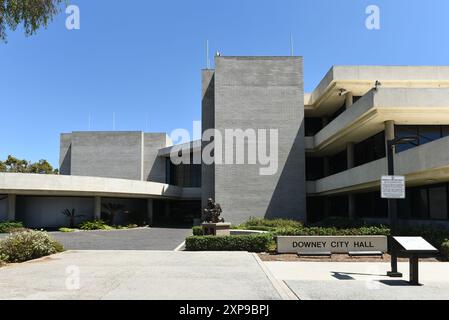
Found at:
<point>361,280</point>
<point>141,275</point>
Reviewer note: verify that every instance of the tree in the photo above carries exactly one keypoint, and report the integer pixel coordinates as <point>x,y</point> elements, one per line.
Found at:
<point>112,209</point>
<point>72,216</point>
<point>32,14</point>
<point>14,165</point>
<point>41,167</point>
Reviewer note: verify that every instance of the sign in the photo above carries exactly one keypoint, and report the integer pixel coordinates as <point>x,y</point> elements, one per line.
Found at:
<point>333,244</point>
<point>415,244</point>
<point>393,187</point>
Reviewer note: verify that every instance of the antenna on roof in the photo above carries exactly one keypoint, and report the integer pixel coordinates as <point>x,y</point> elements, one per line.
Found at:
<point>291,45</point>
<point>207,55</point>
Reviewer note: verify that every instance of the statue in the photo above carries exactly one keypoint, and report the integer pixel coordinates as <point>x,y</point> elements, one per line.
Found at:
<point>212,212</point>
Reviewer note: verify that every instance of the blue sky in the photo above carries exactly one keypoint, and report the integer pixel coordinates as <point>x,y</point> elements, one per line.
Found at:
<point>142,59</point>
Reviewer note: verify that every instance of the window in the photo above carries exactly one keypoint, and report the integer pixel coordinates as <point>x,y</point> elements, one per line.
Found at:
<point>183,175</point>
<point>314,169</point>
<point>338,163</point>
<point>425,135</point>
<point>312,126</point>
<point>370,150</point>
<point>405,131</point>
<point>420,201</point>
<point>438,202</point>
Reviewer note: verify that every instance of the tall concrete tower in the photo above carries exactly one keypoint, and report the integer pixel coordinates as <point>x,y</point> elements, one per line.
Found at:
<point>257,93</point>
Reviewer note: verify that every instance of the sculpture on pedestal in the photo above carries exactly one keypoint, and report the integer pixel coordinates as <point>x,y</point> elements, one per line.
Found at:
<point>212,212</point>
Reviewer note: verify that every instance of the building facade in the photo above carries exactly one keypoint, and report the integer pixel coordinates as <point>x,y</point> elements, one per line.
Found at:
<point>330,151</point>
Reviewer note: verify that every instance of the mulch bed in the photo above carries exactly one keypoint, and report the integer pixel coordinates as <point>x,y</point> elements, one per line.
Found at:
<point>333,258</point>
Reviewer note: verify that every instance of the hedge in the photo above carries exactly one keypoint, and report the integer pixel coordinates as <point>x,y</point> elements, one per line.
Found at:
<point>8,227</point>
<point>197,231</point>
<point>266,224</point>
<point>250,243</point>
<point>320,231</point>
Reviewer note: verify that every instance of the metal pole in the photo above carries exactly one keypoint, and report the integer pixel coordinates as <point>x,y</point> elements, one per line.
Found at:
<point>392,214</point>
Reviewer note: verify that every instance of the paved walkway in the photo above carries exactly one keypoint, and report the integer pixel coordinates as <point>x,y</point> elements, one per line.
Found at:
<point>142,275</point>
<point>132,239</point>
<point>360,280</point>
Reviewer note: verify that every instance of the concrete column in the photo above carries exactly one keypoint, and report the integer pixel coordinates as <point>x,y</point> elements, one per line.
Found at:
<point>390,134</point>
<point>97,208</point>
<point>389,130</point>
<point>11,207</point>
<point>150,211</point>
<point>350,162</point>
<point>350,155</point>
<point>349,100</point>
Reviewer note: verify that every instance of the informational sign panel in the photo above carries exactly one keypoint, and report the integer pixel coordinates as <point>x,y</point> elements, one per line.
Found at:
<point>332,244</point>
<point>415,244</point>
<point>393,187</point>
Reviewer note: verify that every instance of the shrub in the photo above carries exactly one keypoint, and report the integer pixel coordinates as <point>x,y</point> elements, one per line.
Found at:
<point>3,259</point>
<point>197,231</point>
<point>252,243</point>
<point>343,223</point>
<point>445,249</point>
<point>11,226</point>
<point>332,231</point>
<point>94,225</point>
<point>28,245</point>
<point>255,223</point>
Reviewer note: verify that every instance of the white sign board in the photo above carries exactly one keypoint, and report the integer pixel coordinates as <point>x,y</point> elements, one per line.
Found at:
<point>393,187</point>
<point>333,244</point>
<point>415,244</point>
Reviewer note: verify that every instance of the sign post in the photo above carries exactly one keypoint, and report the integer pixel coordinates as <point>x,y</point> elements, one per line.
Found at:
<point>393,188</point>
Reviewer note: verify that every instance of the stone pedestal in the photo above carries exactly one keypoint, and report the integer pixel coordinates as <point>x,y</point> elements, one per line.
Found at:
<point>216,229</point>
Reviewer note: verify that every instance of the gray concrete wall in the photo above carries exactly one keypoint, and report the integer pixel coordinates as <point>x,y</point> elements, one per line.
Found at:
<point>107,154</point>
<point>46,212</point>
<point>124,155</point>
<point>208,122</point>
<point>65,154</point>
<point>262,93</point>
<point>154,166</point>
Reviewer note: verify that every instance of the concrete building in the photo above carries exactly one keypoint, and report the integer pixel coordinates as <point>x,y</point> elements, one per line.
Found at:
<point>331,151</point>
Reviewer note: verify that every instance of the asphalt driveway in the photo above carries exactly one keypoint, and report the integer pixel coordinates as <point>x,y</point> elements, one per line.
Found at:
<point>132,239</point>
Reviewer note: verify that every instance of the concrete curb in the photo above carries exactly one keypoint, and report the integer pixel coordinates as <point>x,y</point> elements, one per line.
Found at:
<point>181,247</point>
<point>282,289</point>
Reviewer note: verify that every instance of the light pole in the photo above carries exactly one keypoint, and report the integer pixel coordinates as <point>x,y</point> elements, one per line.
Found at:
<point>393,205</point>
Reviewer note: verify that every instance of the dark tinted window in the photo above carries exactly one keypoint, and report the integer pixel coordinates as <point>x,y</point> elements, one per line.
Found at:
<point>338,163</point>
<point>424,134</point>
<point>314,169</point>
<point>312,126</point>
<point>370,150</point>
